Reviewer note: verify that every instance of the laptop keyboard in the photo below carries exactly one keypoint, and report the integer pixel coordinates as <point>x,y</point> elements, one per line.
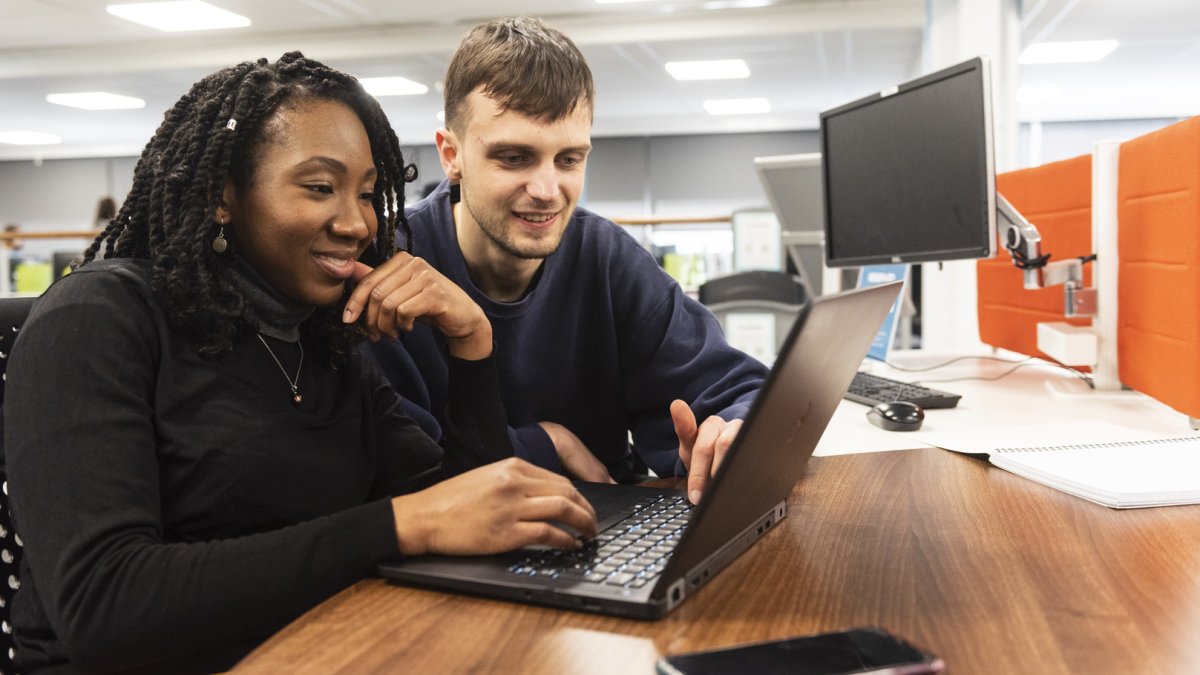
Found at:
<point>631,553</point>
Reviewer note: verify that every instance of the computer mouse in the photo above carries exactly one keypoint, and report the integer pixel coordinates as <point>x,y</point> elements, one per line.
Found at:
<point>897,416</point>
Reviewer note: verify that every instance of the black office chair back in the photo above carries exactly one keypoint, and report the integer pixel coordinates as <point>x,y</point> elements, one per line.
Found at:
<point>12,316</point>
<point>766,285</point>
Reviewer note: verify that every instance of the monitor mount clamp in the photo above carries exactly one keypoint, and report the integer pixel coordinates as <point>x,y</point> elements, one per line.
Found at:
<point>1024,244</point>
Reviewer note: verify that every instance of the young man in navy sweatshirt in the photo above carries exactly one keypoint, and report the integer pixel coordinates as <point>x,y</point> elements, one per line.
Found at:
<point>596,345</point>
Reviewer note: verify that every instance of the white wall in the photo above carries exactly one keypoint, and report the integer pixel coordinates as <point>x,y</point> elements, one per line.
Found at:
<point>627,177</point>
<point>59,195</point>
<point>1045,142</point>
<point>666,175</point>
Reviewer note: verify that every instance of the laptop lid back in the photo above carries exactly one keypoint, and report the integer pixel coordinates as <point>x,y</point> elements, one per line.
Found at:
<point>811,373</point>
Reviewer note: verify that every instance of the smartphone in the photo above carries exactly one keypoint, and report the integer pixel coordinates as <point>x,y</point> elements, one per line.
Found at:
<point>857,650</point>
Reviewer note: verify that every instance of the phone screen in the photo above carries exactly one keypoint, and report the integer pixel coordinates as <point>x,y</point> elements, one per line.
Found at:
<point>859,650</point>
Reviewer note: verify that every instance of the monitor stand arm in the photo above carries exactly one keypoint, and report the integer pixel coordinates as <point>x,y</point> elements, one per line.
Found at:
<point>1024,244</point>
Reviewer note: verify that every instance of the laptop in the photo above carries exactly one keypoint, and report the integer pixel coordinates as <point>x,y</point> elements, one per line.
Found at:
<point>658,549</point>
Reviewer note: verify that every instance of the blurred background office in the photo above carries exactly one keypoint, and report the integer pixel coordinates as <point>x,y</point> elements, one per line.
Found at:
<point>84,84</point>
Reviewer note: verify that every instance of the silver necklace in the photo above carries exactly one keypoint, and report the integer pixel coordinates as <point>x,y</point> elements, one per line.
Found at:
<point>293,382</point>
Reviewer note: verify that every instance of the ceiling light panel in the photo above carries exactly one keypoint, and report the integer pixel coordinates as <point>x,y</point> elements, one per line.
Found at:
<point>392,86</point>
<point>96,100</point>
<point>179,15</point>
<point>737,4</point>
<point>28,138</point>
<point>1067,52</point>
<point>1036,94</point>
<point>738,106</point>
<point>724,69</point>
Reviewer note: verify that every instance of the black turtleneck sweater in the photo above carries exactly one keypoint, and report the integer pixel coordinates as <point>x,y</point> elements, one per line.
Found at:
<point>177,510</point>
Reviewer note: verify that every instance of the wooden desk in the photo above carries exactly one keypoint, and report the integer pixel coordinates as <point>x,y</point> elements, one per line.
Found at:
<point>994,573</point>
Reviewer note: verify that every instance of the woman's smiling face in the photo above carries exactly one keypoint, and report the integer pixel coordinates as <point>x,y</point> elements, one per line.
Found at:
<point>307,213</point>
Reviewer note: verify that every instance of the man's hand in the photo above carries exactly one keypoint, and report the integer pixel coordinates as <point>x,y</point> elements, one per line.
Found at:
<point>701,449</point>
<point>574,455</point>
<point>407,289</point>
<point>499,507</point>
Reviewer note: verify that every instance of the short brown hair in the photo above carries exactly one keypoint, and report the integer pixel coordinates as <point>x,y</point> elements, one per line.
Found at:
<point>522,64</point>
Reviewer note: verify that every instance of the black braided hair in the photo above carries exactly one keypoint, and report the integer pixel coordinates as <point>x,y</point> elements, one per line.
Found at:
<point>169,215</point>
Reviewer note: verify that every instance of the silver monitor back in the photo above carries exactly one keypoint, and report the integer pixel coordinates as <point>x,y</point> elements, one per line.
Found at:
<point>793,184</point>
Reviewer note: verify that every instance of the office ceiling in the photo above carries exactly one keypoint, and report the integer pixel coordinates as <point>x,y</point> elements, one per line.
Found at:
<point>804,56</point>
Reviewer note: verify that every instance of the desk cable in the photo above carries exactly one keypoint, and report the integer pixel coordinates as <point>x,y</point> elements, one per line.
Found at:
<point>1017,365</point>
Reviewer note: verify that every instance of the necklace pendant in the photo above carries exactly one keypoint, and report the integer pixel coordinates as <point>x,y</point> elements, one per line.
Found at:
<point>293,382</point>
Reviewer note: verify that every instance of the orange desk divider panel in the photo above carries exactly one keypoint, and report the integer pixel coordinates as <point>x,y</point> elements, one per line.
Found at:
<point>1158,310</point>
<point>1057,199</point>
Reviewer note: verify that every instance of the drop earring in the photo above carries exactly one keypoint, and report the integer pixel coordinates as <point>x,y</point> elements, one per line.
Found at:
<point>455,192</point>
<point>219,244</point>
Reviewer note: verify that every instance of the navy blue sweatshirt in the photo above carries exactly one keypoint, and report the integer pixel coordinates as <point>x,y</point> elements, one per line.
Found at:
<point>601,343</point>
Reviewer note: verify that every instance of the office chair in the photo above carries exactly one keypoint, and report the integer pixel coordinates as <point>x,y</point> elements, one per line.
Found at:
<point>778,295</point>
<point>12,315</point>
<point>765,285</point>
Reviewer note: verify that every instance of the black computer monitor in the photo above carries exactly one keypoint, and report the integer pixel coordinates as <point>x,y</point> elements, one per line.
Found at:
<point>909,173</point>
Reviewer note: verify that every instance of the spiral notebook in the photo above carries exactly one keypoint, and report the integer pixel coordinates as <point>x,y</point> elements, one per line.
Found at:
<point>1111,465</point>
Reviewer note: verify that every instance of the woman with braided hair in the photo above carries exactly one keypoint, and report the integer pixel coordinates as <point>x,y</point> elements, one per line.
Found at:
<point>227,458</point>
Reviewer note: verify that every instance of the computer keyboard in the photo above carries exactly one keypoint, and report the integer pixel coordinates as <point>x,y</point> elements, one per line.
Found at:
<point>872,389</point>
<point>631,553</point>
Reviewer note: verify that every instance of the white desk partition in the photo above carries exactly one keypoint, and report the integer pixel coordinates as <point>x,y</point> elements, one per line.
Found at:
<point>1105,156</point>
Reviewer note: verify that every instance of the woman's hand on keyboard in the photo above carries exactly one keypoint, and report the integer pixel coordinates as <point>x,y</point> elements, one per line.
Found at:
<point>498,507</point>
